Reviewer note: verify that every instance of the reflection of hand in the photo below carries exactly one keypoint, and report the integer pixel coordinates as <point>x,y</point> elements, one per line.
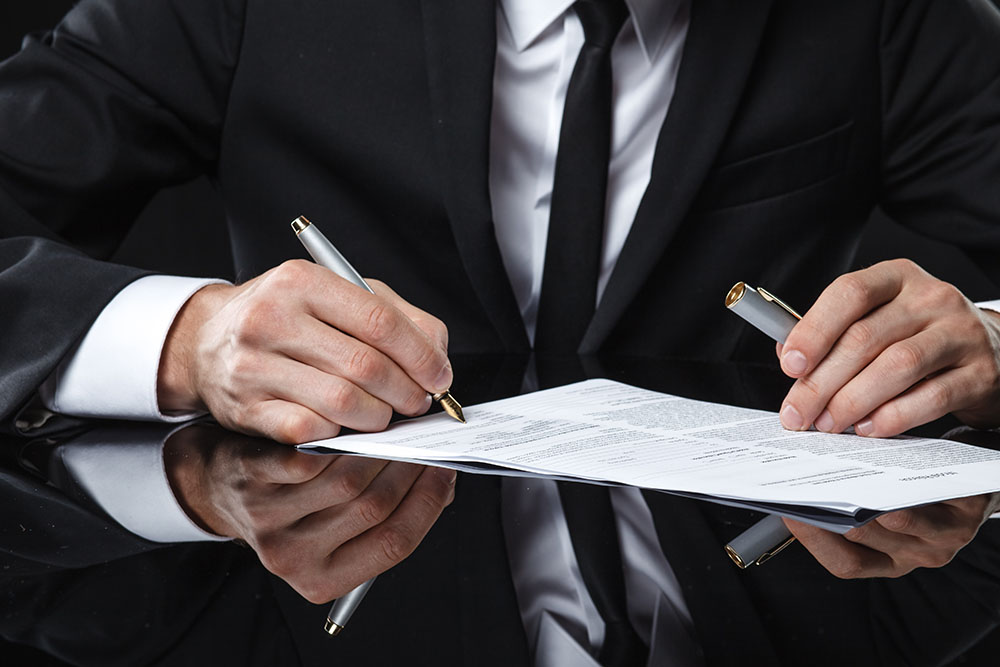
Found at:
<point>299,352</point>
<point>898,542</point>
<point>324,524</point>
<point>889,348</point>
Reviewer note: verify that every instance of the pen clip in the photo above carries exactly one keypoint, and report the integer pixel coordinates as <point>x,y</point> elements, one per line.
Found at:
<point>767,555</point>
<point>773,299</point>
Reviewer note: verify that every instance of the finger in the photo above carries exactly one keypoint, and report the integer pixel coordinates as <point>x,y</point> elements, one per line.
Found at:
<point>344,480</point>
<point>432,326</point>
<point>926,401</point>
<point>335,353</point>
<point>933,523</point>
<point>893,372</point>
<point>371,507</point>
<point>839,556</point>
<point>859,345</point>
<point>394,539</point>
<point>271,463</point>
<point>849,298</point>
<point>284,421</point>
<point>332,397</point>
<point>375,320</point>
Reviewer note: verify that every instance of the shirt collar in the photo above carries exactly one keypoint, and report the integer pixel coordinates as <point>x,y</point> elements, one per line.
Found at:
<point>527,19</point>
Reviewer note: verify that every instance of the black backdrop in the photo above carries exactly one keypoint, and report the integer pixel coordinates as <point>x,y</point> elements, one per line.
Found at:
<point>181,212</point>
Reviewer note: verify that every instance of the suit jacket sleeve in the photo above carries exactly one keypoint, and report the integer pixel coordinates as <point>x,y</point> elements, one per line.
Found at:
<point>121,99</point>
<point>940,82</point>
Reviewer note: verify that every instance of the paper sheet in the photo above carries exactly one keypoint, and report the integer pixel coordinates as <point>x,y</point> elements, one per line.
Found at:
<point>611,432</point>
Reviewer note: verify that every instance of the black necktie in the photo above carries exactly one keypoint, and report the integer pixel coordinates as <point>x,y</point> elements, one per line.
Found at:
<point>576,220</point>
<point>592,528</point>
<point>569,293</point>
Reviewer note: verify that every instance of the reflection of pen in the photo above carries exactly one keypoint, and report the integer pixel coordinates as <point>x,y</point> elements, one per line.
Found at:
<point>325,254</point>
<point>775,318</point>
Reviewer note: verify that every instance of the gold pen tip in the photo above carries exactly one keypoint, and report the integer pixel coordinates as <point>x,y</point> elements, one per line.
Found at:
<point>300,223</point>
<point>332,628</point>
<point>450,405</point>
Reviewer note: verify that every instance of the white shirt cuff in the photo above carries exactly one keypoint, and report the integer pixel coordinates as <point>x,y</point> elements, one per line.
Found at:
<point>112,372</point>
<point>123,472</point>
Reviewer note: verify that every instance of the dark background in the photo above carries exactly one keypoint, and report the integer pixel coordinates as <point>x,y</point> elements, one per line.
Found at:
<point>194,211</point>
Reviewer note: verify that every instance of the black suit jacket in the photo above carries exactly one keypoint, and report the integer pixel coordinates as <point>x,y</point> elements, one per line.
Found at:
<point>789,122</point>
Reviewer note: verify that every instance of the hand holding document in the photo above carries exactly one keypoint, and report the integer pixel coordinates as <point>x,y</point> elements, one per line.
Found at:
<point>607,432</point>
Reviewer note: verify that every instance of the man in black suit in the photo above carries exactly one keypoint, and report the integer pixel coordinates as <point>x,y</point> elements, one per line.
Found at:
<point>788,123</point>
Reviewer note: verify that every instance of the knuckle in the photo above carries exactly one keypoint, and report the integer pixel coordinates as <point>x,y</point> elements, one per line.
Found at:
<point>364,365</point>
<point>274,554</point>
<point>937,557</point>
<point>437,330</point>
<point>415,403</point>
<point>899,522</point>
<point>341,398</point>
<point>853,288</point>
<point>380,324</point>
<point>849,567</point>
<point>395,544</point>
<point>903,265</point>
<point>905,356</point>
<point>296,428</point>
<point>944,294</point>
<point>316,592</point>
<point>256,321</point>
<point>290,274</point>
<point>372,510</point>
<point>809,388</point>
<point>429,359</point>
<point>847,406</point>
<point>939,395</point>
<point>349,485</point>
<point>859,337</point>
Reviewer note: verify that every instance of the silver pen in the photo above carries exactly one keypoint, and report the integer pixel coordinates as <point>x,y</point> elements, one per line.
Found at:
<point>326,254</point>
<point>774,317</point>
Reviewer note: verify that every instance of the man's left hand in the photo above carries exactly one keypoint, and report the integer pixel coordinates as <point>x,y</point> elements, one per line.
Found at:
<point>888,348</point>
<point>896,543</point>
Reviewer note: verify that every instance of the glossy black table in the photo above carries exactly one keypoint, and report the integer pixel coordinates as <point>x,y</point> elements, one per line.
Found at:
<point>79,587</point>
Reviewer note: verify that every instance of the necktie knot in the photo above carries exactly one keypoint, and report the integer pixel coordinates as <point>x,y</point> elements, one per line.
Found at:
<point>602,20</point>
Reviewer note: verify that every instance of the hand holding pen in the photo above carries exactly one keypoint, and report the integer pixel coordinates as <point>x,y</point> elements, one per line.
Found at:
<point>294,355</point>
<point>326,254</point>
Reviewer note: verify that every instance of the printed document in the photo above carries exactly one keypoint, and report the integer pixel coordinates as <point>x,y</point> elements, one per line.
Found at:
<point>608,432</point>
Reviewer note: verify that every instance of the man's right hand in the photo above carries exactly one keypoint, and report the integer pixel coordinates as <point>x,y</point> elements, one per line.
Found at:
<point>298,352</point>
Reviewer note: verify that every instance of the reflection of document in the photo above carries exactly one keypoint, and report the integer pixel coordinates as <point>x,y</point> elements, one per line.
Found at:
<point>606,431</point>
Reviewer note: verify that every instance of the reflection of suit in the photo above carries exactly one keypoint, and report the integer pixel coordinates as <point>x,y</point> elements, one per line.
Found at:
<point>789,122</point>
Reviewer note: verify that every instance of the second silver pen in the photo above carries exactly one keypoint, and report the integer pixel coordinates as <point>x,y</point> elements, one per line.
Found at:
<point>326,254</point>
<point>768,313</point>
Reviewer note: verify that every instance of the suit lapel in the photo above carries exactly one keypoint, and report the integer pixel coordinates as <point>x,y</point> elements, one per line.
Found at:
<point>718,54</point>
<point>461,48</point>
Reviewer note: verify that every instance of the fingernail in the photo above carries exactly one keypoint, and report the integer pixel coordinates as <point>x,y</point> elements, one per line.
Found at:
<point>825,421</point>
<point>794,361</point>
<point>865,427</point>
<point>444,379</point>
<point>790,418</point>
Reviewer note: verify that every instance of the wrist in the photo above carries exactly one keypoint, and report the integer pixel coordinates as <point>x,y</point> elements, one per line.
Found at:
<point>185,460</point>
<point>176,388</point>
